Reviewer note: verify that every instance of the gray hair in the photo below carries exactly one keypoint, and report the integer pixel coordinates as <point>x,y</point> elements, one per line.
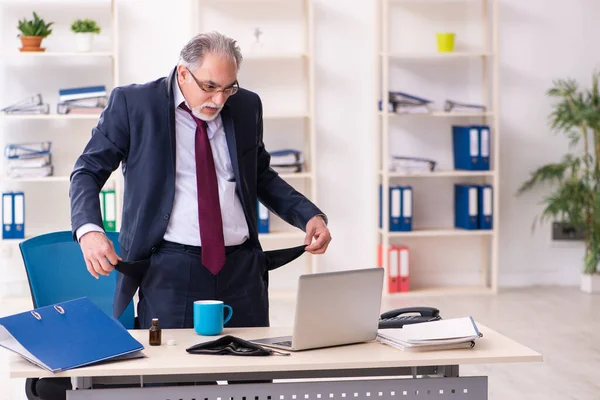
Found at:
<point>192,54</point>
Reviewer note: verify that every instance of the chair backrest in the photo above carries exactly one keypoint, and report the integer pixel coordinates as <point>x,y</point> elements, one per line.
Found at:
<point>56,272</point>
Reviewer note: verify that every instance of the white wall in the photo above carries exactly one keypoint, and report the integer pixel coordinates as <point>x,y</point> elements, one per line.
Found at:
<point>539,41</point>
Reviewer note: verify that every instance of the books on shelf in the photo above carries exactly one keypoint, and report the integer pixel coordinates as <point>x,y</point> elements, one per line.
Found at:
<point>411,164</point>
<point>287,161</point>
<point>443,334</point>
<point>29,160</point>
<point>79,93</point>
<point>82,100</point>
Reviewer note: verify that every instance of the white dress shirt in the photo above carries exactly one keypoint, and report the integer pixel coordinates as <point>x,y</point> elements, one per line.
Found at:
<point>183,226</point>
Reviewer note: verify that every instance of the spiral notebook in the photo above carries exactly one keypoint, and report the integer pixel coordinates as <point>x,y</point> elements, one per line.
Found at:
<point>453,333</point>
<point>67,335</point>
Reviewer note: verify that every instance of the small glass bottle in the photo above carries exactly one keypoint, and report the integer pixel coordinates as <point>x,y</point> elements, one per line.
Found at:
<point>155,333</point>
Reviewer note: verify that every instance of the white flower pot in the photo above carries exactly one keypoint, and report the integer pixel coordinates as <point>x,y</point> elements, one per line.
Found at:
<point>84,42</point>
<point>590,283</point>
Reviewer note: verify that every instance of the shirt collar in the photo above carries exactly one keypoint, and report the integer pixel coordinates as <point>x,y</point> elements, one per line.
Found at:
<point>213,126</point>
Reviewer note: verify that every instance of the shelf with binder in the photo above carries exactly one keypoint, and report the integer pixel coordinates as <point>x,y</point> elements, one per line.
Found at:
<point>92,117</point>
<point>439,114</point>
<point>46,179</point>
<point>67,88</point>
<point>444,291</point>
<point>413,77</point>
<point>435,56</point>
<point>439,174</point>
<point>276,56</point>
<point>278,116</point>
<point>297,175</point>
<point>437,232</point>
<point>47,54</point>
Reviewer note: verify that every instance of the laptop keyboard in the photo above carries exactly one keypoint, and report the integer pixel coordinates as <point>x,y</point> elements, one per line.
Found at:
<point>287,343</point>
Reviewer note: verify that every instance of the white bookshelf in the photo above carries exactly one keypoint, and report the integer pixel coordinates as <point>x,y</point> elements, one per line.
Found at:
<point>46,54</point>
<point>281,71</point>
<point>395,55</point>
<point>46,198</point>
<point>51,116</point>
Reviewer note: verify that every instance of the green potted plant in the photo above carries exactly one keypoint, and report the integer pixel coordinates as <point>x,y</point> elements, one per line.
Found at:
<point>33,32</point>
<point>576,178</point>
<point>84,30</point>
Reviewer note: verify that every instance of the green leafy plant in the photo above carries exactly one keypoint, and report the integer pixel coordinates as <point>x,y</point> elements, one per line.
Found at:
<point>35,27</point>
<point>576,178</point>
<point>85,26</point>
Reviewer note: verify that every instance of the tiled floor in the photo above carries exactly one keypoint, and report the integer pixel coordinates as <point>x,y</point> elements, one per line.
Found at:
<point>560,323</point>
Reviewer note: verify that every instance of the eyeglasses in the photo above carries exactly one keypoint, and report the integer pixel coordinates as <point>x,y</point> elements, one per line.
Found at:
<point>210,88</point>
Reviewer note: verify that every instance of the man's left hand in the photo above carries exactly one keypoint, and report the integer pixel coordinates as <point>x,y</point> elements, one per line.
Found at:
<point>316,228</point>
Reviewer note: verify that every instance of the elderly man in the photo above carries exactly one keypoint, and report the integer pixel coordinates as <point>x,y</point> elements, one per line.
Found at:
<point>195,164</point>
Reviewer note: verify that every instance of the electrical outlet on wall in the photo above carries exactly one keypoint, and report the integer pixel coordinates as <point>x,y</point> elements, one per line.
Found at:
<point>564,232</point>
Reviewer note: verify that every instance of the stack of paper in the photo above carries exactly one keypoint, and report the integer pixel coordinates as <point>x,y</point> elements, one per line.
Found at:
<point>29,160</point>
<point>455,106</point>
<point>404,103</point>
<point>455,333</point>
<point>287,161</point>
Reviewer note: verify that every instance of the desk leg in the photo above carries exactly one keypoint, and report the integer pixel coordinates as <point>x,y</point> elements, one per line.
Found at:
<point>440,388</point>
<point>449,371</point>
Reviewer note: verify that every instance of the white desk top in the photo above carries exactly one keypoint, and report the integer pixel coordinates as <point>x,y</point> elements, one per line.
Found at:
<point>174,360</point>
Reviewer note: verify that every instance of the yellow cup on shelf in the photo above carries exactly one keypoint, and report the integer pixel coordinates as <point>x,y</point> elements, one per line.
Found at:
<point>445,42</point>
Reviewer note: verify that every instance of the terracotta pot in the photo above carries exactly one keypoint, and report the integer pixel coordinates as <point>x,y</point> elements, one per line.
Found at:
<point>31,43</point>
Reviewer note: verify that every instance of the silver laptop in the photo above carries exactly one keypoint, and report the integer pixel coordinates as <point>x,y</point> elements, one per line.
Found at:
<point>334,308</point>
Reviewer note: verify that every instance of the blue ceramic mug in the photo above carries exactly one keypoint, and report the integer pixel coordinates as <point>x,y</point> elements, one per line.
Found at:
<point>209,317</point>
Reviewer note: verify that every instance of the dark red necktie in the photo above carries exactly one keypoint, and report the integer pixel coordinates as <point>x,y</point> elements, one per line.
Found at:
<point>209,207</point>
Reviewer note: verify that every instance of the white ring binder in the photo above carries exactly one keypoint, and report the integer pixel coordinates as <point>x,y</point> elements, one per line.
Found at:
<point>59,309</point>
<point>36,315</point>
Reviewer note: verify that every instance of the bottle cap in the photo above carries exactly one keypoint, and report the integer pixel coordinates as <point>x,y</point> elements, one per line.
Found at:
<point>171,342</point>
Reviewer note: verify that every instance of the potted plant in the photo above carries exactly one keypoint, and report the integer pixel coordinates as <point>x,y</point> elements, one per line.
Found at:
<point>33,32</point>
<point>576,178</point>
<point>84,30</point>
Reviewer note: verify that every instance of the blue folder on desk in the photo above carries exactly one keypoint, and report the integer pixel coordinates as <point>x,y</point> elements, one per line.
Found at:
<point>67,335</point>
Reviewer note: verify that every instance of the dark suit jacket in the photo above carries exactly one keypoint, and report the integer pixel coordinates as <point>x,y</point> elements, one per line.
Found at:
<point>137,129</point>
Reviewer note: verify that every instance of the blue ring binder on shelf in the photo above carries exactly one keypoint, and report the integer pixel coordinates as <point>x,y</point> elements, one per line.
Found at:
<point>42,335</point>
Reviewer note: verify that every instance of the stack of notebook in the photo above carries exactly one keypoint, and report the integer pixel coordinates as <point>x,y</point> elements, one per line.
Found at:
<point>29,160</point>
<point>287,161</point>
<point>445,334</point>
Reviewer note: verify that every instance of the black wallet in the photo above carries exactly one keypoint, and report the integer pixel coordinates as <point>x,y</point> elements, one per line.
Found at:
<point>232,345</point>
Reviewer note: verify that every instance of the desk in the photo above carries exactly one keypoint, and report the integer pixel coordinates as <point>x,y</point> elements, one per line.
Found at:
<point>371,371</point>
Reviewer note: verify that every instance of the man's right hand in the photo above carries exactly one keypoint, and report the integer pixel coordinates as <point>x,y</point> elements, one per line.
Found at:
<point>99,253</point>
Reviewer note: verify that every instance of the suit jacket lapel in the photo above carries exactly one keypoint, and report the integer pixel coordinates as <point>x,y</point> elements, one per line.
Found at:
<point>231,143</point>
<point>229,127</point>
<point>171,114</point>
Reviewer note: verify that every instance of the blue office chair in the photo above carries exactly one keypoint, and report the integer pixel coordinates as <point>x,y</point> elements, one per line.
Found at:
<point>57,272</point>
